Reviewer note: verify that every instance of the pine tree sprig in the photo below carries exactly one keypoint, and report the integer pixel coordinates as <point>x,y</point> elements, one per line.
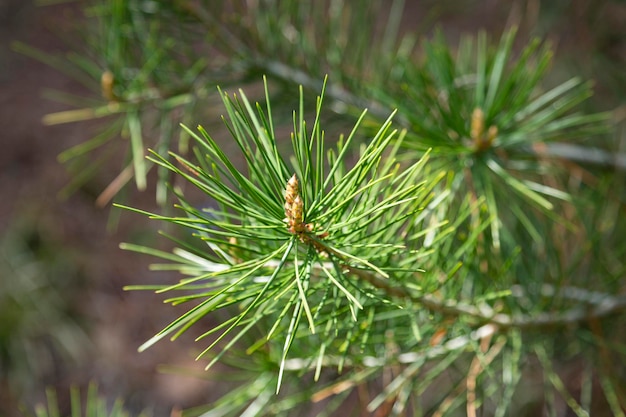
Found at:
<point>287,237</point>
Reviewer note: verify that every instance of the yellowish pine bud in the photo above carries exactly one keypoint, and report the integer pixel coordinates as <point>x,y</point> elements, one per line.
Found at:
<point>294,206</point>
<point>291,192</point>
<point>481,139</point>
<point>107,80</point>
<point>292,189</point>
<point>296,211</point>
<point>477,126</point>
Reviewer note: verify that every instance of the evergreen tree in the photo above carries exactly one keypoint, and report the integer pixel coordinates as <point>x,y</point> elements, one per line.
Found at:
<point>388,224</point>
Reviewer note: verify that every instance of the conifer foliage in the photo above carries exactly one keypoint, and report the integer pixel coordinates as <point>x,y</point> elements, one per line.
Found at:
<point>400,234</point>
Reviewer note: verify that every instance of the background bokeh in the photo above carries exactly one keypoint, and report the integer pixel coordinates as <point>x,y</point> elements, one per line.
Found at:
<point>64,318</point>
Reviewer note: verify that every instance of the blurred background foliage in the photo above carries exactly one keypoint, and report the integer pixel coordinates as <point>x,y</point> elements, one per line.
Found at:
<point>132,70</point>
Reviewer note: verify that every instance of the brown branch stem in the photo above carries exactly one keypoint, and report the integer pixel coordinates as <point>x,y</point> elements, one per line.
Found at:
<point>596,308</point>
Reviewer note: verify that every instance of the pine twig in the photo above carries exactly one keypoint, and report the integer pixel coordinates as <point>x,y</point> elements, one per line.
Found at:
<point>571,152</point>
<point>595,304</point>
<point>600,305</point>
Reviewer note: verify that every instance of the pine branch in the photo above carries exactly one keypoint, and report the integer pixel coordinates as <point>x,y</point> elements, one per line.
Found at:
<point>599,305</point>
<point>340,94</point>
<point>567,151</point>
<point>303,250</point>
<point>596,304</point>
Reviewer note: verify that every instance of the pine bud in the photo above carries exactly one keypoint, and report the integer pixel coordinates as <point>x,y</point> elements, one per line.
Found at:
<point>296,211</point>
<point>107,80</point>
<point>477,126</point>
<point>481,140</point>
<point>294,206</point>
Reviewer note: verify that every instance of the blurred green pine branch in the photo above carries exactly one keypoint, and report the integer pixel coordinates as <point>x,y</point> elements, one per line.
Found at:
<point>93,405</point>
<point>39,333</point>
